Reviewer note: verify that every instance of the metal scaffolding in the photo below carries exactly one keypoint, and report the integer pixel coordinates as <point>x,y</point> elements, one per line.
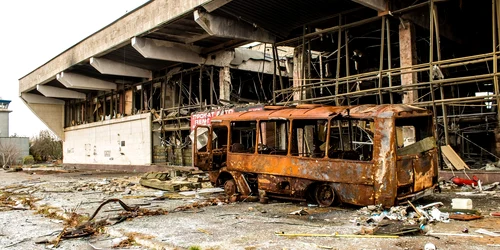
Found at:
<point>432,84</point>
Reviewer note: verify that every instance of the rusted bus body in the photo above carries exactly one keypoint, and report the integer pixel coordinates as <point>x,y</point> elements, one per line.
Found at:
<point>351,154</point>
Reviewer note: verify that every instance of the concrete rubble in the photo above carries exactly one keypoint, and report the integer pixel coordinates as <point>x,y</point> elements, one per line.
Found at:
<point>174,181</point>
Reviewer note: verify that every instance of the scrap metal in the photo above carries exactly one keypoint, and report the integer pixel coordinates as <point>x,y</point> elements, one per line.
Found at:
<point>382,180</point>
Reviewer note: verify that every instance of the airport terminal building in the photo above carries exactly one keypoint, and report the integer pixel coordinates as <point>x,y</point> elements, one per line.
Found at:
<point>130,94</point>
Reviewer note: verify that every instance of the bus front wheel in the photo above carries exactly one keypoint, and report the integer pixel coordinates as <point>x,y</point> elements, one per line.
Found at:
<point>230,187</point>
<point>324,195</point>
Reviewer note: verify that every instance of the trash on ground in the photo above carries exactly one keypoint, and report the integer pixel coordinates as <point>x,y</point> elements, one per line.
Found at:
<point>172,181</point>
<point>460,181</point>
<point>429,246</point>
<point>486,232</point>
<point>465,217</point>
<point>459,203</point>
<point>299,212</point>
<point>202,191</point>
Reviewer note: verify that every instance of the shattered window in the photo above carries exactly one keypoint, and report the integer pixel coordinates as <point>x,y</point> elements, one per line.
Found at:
<point>220,141</point>
<point>243,136</point>
<point>273,137</point>
<point>414,130</point>
<point>307,138</point>
<point>202,134</point>
<point>351,139</point>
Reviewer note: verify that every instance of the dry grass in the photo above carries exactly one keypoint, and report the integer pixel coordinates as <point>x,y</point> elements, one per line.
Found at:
<point>29,201</point>
<point>131,240</point>
<point>49,212</point>
<point>9,199</point>
<point>6,199</point>
<point>128,242</point>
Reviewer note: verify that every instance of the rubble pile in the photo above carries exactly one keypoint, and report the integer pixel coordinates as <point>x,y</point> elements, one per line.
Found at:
<point>175,181</point>
<point>106,186</point>
<point>410,219</point>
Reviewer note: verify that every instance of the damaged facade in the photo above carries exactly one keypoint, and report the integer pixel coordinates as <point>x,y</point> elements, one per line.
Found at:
<point>130,93</point>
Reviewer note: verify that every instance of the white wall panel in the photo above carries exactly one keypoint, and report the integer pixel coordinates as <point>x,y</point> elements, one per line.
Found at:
<point>122,141</point>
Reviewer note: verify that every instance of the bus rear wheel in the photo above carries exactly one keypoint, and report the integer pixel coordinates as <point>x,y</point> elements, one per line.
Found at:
<point>230,187</point>
<point>324,195</point>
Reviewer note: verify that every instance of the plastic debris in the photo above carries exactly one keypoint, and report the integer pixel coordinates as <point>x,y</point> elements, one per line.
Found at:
<point>486,232</point>
<point>299,212</point>
<point>429,246</point>
<point>459,203</point>
<point>461,182</point>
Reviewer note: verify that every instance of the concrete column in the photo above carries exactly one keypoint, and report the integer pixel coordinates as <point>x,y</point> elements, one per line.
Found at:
<point>497,141</point>
<point>408,57</point>
<point>225,84</point>
<point>171,95</point>
<point>297,74</point>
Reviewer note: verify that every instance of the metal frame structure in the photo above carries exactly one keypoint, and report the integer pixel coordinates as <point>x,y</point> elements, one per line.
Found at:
<point>431,86</point>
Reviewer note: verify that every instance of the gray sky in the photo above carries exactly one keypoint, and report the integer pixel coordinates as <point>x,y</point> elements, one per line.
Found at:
<point>34,31</point>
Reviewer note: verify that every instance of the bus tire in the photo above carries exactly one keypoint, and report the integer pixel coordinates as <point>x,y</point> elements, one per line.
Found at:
<point>230,187</point>
<point>324,194</point>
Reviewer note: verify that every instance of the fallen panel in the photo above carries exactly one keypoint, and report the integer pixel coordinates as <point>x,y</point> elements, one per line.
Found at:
<point>453,157</point>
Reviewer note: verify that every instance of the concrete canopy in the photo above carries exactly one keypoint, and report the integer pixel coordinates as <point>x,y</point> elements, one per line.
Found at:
<point>153,15</point>
<point>231,28</point>
<point>49,110</point>
<point>40,99</point>
<point>168,51</point>
<point>49,91</point>
<point>110,67</point>
<point>76,81</point>
<point>164,33</point>
<point>162,50</point>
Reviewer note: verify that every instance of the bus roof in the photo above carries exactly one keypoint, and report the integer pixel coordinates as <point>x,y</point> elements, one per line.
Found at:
<point>312,111</point>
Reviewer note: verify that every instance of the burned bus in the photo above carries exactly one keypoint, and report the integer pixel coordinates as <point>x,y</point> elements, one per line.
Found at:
<point>361,155</point>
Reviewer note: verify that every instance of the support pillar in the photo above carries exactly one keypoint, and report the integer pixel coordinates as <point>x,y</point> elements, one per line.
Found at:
<point>225,84</point>
<point>170,95</point>
<point>298,74</point>
<point>408,58</point>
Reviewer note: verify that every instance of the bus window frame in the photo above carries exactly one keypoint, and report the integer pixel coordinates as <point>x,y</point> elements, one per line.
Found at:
<point>374,140</point>
<point>290,134</point>
<point>230,137</point>
<point>288,126</point>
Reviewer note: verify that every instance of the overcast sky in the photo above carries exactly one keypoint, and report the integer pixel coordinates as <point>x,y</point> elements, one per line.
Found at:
<point>34,31</point>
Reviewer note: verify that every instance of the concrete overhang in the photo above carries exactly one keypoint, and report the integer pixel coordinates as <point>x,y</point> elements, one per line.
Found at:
<point>77,81</point>
<point>153,15</point>
<point>239,58</point>
<point>54,92</point>
<point>187,31</point>
<point>109,67</point>
<point>49,110</point>
<point>207,25</point>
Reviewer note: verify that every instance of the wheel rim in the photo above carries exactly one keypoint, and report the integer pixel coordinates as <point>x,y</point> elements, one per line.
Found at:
<point>325,195</point>
<point>230,187</point>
